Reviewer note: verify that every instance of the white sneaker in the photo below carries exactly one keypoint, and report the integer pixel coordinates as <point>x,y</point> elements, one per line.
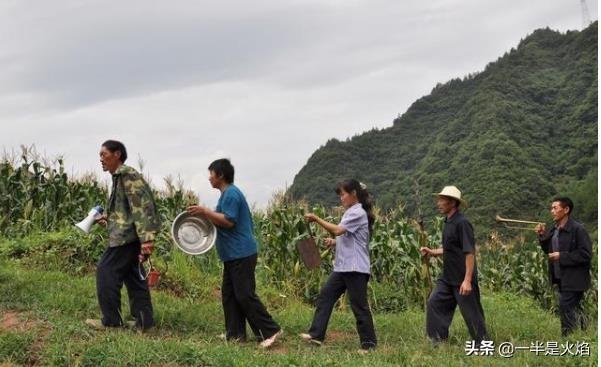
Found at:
<point>267,343</point>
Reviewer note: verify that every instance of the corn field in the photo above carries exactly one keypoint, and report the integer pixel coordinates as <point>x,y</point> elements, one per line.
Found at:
<point>400,278</point>
<point>39,204</point>
<point>37,195</point>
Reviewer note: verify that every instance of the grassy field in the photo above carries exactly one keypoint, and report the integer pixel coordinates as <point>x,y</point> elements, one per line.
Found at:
<point>42,314</point>
<point>47,287</point>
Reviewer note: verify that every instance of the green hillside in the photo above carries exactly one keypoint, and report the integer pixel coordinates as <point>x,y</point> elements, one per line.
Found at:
<point>510,137</point>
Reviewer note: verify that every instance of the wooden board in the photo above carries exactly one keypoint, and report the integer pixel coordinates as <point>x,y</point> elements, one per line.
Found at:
<point>309,253</point>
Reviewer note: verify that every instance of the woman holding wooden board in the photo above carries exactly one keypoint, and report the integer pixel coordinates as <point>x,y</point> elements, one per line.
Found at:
<point>351,264</point>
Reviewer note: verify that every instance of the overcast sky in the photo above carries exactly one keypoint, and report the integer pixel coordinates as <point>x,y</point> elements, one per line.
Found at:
<point>264,83</point>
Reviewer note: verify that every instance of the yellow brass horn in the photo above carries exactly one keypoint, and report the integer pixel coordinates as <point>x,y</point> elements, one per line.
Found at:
<point>498,218</point>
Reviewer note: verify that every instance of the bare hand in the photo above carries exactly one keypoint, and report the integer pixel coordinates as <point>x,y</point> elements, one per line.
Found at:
<point>539,229</point>
<point>330,242</point>
<point>554,256</point>
<point>466,288</point>
<point>145,251</point>
<point>102,220</point>
<point>425,251</point>
<point>196,210</point>
<point>310,217</point>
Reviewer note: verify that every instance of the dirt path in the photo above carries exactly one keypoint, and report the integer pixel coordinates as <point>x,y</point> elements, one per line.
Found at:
<point>20,322</point>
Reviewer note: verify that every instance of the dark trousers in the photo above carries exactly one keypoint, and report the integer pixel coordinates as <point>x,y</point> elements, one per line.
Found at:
<point>571,311</point>
<point>241,303</point>
<point>356,285</point>
<point>441,308</point>
<point>119,265</point>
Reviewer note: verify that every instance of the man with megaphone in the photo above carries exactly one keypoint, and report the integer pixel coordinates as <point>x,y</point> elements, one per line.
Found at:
<point>132,222</point>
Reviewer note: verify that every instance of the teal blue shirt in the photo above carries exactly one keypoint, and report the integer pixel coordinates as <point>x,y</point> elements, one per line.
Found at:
<point>236,242</point>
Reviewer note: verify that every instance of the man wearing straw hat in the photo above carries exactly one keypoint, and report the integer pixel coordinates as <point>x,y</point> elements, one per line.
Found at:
<point>458,284</point>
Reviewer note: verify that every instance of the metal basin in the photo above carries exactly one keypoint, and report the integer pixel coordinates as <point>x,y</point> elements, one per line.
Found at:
<point>193,234</point>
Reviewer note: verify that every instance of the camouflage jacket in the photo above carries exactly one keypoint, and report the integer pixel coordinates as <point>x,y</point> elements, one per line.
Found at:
<point>132,213</point>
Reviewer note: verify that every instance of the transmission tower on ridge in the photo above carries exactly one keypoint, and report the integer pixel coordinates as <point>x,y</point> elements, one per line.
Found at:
<point>586,18</point>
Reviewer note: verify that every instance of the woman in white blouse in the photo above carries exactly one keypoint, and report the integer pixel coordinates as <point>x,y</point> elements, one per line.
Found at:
<point>351,265</point>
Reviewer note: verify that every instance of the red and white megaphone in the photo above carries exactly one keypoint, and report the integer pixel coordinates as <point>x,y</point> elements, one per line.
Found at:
<point>94,214</point>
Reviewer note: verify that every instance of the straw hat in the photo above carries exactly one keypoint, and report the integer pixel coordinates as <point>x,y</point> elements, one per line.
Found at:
<point>452,192</point>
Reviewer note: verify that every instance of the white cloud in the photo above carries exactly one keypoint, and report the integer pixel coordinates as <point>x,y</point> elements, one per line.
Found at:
<point>183,83</point>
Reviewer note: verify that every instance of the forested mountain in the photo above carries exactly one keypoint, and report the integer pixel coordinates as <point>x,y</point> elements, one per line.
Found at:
<point>510,137</point>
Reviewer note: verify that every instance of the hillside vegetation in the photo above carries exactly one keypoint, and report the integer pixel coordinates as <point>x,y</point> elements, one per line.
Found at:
<point>510,137</point>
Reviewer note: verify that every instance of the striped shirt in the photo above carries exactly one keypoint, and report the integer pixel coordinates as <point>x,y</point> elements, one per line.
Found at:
<point>352,248</point>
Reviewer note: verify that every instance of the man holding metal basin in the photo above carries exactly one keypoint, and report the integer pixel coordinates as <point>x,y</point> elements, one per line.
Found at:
<point>237,249</point>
